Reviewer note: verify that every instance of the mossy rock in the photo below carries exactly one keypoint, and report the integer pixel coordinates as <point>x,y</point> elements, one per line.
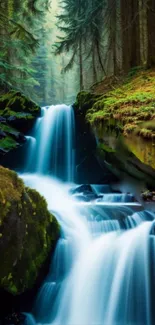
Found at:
<point>10,138</point>
<point>123,163</point>
<point>17,116</point>
<point>28,233</point>
<point>85,101</point>
<point>130,102</point>
<point>19,111</point>
<point>18,103</point>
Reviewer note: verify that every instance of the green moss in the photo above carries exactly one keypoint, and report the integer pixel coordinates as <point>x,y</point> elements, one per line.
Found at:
<point>130,102</point>
<point>8,129</point>
<point>85,101</point>
<point>19,112</point>
<point>19,115</point>
<point>29,232</point>
<point>17,102</point>
<point>104,147</point>
<point>7,143</point>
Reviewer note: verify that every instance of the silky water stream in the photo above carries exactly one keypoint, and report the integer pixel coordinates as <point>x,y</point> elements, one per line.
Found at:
<point>102,269</point>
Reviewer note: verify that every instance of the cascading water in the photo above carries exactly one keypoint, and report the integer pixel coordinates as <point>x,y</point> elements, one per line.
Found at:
<point>100,274</point>
<point>54,134</point>
<point>31,151</point>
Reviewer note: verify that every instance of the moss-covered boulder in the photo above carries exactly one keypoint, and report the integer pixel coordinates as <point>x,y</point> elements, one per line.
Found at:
<point>129,101</point>
<point>17,116</point>
<point>10,138</point>
<point>123,107</point>
<point>15,102</point>
<point>85,101</point>
<point>28,233</point>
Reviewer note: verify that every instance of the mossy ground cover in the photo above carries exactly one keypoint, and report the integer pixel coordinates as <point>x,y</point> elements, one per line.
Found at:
<point>131,102</point>
<point>28,232</point>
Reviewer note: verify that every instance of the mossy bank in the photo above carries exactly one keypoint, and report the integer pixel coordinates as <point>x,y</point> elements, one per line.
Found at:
<point>121,114</point>
<point>129,102</point>
<point>28,233</point>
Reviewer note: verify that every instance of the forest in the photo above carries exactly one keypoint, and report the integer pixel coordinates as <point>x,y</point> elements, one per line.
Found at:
<point>100,38</point>
<point>77,162</point>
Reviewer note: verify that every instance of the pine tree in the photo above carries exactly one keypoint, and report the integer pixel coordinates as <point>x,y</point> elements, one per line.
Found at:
<point>19,40</point>
<point>71,24</point>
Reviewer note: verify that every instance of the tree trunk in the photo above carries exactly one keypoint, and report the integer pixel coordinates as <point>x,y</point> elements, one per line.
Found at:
<point>113,33</point>
<point>151,33</point>
<point>143,23</point>
<point>130,34</point>
<point>93,65</point>
<point>125,37</point>
<point>81,65</point>
<point>135,34</point>
<point>99,57</point>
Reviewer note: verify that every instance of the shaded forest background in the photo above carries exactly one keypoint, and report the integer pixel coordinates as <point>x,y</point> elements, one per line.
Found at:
<point>50,50</point>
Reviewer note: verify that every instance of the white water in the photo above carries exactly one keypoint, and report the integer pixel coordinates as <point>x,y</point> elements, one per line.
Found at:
<point>31,152</point>
<point>55,145</point>
<point>54,136</point>
<point>117,198</point>
<point>100,273</point>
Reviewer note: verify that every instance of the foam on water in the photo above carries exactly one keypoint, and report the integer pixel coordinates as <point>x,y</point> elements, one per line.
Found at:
<point>100,273</point>
<point>97,264</point>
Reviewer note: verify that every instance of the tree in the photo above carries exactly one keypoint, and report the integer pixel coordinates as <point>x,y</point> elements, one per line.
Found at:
<point>19,40</point>
<point>72,26</point>
<point>151,32</point>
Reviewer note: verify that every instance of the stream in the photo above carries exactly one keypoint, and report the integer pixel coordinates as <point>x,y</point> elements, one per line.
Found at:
<point>102,270</point>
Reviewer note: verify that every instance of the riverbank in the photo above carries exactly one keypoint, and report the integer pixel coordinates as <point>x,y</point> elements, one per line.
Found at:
<point>120,114</point>
<point>129,101</point>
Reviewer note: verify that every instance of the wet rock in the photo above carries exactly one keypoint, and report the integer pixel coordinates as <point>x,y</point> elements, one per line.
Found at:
<point>88,168</point>
<point>11,118</point>
<point>84,193</point>
<point>28,233</point>
<point>85,188</point>
<point>2,119</point>
<point>3,151</point>
<point>148,196</point>
<point>18,115</point>
<point>15,318</point>
<point>2,134</point>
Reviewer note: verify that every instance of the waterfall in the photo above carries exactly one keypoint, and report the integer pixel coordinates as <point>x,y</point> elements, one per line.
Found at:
<point>54,149</point>
<point>101,272</point>
<point>31,152</point>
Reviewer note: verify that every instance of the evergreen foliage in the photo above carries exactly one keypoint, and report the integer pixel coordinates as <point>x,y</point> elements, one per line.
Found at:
<point>111,36</point>
<point>20,34</point>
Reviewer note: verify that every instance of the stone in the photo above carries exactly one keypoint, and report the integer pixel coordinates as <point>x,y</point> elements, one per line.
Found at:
<point>28,233</point>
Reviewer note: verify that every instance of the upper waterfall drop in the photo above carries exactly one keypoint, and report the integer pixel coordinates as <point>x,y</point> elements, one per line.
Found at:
<point>54,133</point>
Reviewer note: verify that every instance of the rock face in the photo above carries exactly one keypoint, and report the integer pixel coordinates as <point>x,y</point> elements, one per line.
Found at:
<point>28,233</point>
<point>88,168</point>
<point>17,116</point>
<point>124,164</point>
